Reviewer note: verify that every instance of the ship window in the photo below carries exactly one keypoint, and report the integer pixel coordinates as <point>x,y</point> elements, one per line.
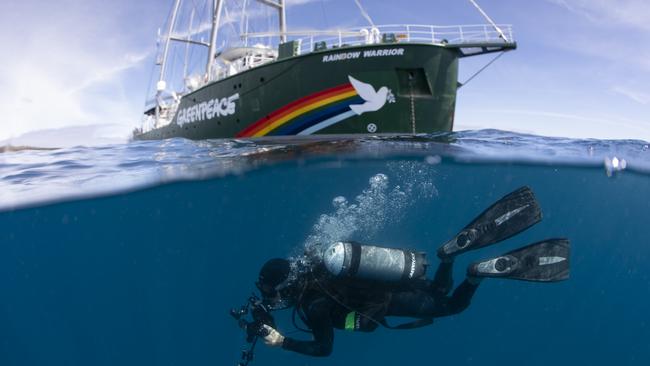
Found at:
<point>413,82</point>
<point>320,46</point>
<point>388,38</point>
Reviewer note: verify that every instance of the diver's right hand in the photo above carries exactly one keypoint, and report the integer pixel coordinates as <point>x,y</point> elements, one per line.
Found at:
<point>273,337</point>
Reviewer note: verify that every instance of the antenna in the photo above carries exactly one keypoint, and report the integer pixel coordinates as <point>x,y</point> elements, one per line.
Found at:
<point>489,20</point>
<point>365,13</point>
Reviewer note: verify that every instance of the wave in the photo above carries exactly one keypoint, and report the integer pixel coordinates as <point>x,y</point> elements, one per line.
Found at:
<point>28,174</point>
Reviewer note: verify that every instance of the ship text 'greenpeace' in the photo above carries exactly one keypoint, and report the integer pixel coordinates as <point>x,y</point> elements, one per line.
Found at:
<point>365,54</point>
<point>208,110</point>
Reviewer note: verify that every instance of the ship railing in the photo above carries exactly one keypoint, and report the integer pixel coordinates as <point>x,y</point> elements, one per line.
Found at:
<point>166,114</point>
<point>453,34</point>
<point>247,62</point>
<point>310,41</point>
<point>407,33</point>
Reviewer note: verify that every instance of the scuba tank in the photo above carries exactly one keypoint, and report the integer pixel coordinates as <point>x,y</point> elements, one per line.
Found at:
<point>369,262</point>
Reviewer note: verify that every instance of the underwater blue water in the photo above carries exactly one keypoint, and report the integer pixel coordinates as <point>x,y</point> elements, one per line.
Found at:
<point>133,254</point>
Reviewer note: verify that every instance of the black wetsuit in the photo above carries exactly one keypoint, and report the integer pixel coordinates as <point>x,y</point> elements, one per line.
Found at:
<point>323,312</point>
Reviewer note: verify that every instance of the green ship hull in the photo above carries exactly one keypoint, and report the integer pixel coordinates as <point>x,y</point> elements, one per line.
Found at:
<point>369,89</point>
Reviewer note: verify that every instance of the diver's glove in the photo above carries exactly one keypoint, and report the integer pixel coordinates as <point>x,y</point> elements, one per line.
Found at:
<point>273,338</point>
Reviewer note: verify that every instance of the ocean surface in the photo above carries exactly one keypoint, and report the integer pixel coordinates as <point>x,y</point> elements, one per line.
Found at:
<point>134,254</point>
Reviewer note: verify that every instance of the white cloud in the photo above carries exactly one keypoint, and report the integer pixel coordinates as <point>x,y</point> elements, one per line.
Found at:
<point>611,49</point>
<point>67,68</point>
<point>557,124</point>
<point>299,2</point>
<point>631,13</point>
<point>109,73</point>
<point>635,95</point>
<point>616,32</point>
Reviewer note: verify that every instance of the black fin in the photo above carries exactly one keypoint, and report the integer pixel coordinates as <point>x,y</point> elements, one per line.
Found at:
<point>509,216</point>
<point>545,261</point>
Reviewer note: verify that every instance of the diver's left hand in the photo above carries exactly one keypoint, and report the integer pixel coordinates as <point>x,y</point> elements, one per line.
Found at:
<point>274,338</point>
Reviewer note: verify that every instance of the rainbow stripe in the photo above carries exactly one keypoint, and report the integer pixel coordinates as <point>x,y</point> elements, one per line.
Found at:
<point>323,108</point>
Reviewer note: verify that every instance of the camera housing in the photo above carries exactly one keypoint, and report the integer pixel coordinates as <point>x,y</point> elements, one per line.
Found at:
<point>260,316</point>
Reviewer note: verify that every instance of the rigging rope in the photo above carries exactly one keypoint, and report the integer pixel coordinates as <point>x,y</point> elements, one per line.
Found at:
<point>322,6</point>
<point>481,70</point>
<point>365,13</point>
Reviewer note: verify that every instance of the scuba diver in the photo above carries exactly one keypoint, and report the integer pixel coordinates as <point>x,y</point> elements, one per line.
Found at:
<point>355,287</point>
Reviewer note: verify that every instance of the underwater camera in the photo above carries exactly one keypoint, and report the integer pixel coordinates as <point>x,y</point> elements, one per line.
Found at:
<point>254,328</point>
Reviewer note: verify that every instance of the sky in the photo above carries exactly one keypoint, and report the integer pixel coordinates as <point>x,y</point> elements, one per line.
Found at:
<point>582,68</point>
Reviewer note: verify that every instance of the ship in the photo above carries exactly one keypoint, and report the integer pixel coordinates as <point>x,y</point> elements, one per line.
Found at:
<point>377,80</point>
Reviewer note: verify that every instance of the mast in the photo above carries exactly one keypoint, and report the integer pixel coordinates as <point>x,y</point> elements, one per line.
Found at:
<point>187,45</point>
<point>503,36</point>
<point>283,21</point>
<point>172,22</point>
<point>282,15</point>
<point>243,26</point>
<point>161,85</point>
<point>217,6</point>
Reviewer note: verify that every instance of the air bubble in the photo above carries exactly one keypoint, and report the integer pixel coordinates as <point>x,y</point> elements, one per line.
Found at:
<point>339,202</point>
<point>375,207</point>
<point>380,181</point>
<point>613,165</point>
<point>433,160</point>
